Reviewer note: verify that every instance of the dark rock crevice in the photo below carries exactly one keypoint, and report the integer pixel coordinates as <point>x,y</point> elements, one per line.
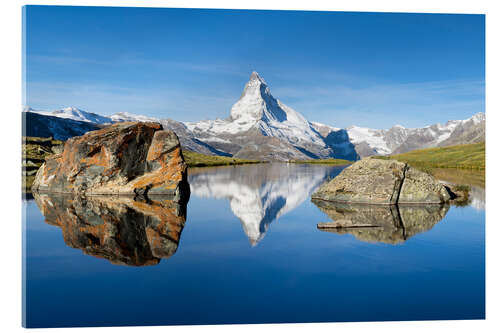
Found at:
<point>400,187</point>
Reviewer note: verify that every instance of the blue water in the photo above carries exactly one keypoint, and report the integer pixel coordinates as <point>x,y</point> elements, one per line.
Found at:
<point>250,252</point>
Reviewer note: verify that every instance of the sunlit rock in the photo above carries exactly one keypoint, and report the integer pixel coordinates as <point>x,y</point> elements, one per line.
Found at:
<point>126,158</point>
<point>382,182</point>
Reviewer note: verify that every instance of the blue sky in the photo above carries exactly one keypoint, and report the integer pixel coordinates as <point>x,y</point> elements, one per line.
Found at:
<point>368,69</point>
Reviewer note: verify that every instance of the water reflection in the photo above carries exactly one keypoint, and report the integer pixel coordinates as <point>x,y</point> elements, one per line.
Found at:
<point>476,179</point>
<point>260,194</point>
<point>384,224</point>
<point>119,229</point>
<point>477,197</point>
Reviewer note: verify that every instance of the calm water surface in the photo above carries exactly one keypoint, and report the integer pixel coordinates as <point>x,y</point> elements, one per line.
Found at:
<point>246,249</point>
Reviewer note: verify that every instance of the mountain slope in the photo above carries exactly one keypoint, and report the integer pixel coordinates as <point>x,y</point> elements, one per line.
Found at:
<point>74,113</point>
<point>39,125</point>
<point>468,156</point>
<point>471,130</point>
<point>125,116</point>
<point>260,126</point>
<point>399,139</point>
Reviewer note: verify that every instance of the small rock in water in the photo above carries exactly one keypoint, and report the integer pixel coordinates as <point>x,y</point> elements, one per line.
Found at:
<point>385,182</point>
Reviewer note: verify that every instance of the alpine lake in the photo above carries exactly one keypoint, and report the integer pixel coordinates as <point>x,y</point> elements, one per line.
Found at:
<point>246,249</point>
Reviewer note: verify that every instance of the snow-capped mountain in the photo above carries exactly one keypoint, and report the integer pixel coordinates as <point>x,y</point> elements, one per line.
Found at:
<point>262,127</point>
<point>125,116</point>
<point>399,139</point>
<point>259,195</point>
<point>73,113</point>
<point>40,125</point>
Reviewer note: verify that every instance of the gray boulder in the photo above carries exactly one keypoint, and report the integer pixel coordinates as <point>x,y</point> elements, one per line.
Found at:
<point>382,182</point>
<point>420,187</point>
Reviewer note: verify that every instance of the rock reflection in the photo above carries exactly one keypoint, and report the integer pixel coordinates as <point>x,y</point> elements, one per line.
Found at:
<point>384,224</point>
<point>119,229</point>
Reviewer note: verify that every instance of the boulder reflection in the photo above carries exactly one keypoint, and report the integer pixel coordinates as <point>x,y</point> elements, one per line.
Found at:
<point>122,230</point>
<point>384,224</point>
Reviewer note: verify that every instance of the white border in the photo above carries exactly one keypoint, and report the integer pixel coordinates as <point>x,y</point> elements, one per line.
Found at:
<point>10,19</point>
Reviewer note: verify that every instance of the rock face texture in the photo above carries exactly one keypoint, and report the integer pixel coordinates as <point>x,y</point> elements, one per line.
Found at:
<point>420,187</point>
<point>130,158</point>
<point>383,182</point>
<point>375,223</point>
<point>119,229</point>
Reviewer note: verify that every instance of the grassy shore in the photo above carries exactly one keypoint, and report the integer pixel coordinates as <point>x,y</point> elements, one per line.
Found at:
<point>201,160</point>
<point>470,156</point>
<point>330,161</point>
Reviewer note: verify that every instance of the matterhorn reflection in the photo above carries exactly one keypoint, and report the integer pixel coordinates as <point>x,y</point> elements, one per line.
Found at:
<point>260,194</point>
<point>385,224</point>
<point>123,230</point>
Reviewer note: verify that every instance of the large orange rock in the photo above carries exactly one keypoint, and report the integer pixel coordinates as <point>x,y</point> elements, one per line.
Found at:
<point>120,229</point>
<point>131,158</point>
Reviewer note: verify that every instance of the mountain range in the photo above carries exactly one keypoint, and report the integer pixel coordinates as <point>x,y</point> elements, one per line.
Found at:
<point>262,127</point>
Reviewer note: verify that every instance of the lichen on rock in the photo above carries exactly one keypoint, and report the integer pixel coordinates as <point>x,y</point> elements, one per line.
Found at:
<point>383,182</point>
<point>130,158</point>
<point>420,187</point>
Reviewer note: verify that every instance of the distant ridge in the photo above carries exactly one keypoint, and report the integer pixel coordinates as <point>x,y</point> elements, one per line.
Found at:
<point>260,126</point>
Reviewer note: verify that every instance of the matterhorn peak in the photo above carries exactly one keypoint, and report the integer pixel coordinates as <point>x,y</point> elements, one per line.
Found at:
<point>253,101</point>
<point>256,85</point>
<point>256,77</point>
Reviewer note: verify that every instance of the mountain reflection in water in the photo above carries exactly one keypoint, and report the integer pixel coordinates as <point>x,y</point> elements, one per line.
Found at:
<point>119,229</point>
<point>260,194</point>
<point>385,224</point>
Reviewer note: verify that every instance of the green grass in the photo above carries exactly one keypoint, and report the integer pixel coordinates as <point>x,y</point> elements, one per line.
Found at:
<point>201,160</point>
<point>331,161</point>
<point>472,177</point>
<point>469,156</point>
